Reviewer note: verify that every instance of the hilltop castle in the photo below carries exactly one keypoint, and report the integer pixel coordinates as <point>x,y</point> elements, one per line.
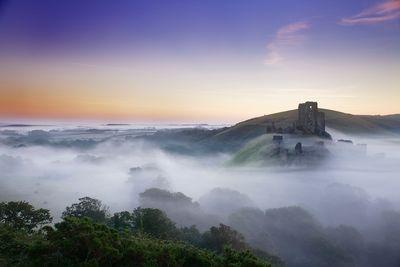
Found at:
<point>310,121</point>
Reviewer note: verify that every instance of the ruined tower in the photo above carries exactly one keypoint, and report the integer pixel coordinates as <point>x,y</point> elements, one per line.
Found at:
<point>310,120</point>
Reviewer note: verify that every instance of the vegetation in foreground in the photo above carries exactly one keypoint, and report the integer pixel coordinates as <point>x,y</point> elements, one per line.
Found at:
<point>89,236</point>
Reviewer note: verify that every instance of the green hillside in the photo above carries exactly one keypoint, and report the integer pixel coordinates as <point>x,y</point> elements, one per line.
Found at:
<point>192,141</point>
<point>256,148</point>
<point>362,124</point>
<point>344,122</point>
<point>261,151</point>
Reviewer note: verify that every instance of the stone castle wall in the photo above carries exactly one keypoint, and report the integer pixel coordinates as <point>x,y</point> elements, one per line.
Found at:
<point>310,119</point>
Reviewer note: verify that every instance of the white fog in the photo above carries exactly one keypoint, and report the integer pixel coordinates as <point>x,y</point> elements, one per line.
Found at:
<point>55,176</point>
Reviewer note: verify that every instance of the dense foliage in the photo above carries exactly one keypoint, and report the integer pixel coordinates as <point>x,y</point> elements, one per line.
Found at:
<point>87,207</point>
<point>218,237</point>
<point>23,216</point>
<point>152,222</point>
<point>145,237</point>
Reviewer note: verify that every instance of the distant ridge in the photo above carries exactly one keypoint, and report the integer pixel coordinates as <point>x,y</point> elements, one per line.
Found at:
<point>199,140</point>
<point>22,125</point>
<point>343,122</point>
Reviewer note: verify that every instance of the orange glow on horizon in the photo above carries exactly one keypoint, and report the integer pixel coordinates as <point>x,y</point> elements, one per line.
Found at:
<point>50,90</point>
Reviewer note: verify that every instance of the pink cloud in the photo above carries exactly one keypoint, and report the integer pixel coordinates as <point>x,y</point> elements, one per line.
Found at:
<point>385,11</point>
<point>288,35</point>
<point>292,28</point>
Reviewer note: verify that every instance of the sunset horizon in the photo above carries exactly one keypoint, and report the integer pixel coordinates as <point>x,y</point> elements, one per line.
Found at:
<point>210,61</point>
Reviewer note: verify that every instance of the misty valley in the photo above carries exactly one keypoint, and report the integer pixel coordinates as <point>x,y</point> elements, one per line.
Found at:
<point>292,198</point>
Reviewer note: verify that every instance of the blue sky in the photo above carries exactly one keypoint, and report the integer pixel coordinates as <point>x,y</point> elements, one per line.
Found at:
<point>235,49</point>
<point>231,26</point>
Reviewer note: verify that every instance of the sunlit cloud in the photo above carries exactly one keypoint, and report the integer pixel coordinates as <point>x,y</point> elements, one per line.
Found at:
<point>286,36</point>
<point>382,12</point>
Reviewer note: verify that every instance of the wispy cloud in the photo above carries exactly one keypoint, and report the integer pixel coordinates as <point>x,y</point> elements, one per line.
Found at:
<point>289,35</point>
<point>385,11</point>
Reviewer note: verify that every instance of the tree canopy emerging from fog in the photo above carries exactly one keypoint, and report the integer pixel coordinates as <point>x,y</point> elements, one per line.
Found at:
<point>23,216</point>
<point>148,221</point>
<point>89,236</point>
<point>219,237</point>
<point>159,195</point>
<point>144,237</point>
<point>155,223</point>
<point>87,207</point>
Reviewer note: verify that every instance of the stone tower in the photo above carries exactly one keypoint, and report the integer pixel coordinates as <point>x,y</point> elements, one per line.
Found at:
<point>310,120</point>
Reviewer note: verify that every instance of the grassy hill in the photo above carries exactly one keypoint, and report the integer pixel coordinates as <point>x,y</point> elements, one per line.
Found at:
<point>261,151</point>
<point>235,137</point>
<point>255,147</point>
<point>344,122</point>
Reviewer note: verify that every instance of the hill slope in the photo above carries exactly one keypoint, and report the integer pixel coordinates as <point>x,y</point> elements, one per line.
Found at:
<point>235,137</point>
<point>344,122</point>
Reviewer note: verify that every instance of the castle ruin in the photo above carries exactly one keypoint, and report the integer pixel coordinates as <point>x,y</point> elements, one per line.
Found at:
<point>310,119</point>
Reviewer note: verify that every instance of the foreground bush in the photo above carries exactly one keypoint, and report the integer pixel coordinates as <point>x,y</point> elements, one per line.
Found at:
<point>82,242</point>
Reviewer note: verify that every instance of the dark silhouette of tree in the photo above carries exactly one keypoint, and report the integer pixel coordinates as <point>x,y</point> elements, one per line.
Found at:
<point>23,216</point>
<point>191,235</point>
<point>87,207</point>
<point>122,221</point>
<point>146,221</point>
<point>82,242</point>
<point>155,223</point>
<point>217,238</point>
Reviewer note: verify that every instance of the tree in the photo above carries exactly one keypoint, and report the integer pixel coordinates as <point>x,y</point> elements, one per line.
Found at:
<point>122,221</point>
<point>23,216</point>
<point>232,257</point>
<point>148,221</point>
<point>217,238</point>
<point>191,235</point>
<point>80,241</point>
<point>155,223</point>
<point>87,207</point>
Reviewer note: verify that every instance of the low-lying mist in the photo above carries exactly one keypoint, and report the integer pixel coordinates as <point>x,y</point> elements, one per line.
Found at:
<point>348,189</point>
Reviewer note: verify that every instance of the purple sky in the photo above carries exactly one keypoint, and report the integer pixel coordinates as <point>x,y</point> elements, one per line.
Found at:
<point>341,53</point>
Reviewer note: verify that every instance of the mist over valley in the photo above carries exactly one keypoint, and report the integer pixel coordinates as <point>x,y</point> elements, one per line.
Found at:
<point>207,175</point>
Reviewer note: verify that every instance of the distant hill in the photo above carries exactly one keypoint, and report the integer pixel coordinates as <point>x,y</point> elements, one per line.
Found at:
<point>343,122</point>
<point>235,137</point>
<point>257,146</point>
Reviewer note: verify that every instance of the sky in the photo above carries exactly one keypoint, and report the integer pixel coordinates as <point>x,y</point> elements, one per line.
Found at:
<point>196,61</point>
